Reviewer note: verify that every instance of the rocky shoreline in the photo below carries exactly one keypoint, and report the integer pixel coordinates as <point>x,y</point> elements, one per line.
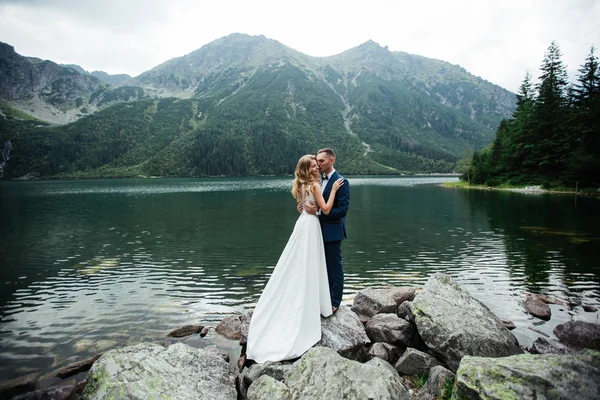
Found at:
<point>392,343</point>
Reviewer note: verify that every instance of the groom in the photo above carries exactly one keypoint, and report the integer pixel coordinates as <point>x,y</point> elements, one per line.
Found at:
<point>333,225</point>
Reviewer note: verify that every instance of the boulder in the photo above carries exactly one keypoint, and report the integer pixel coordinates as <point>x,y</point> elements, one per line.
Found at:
<point>321,373</point>
<point>149,370</point>
<point>415,362</point>
<point>454,324</point>
<point>230,327</point>
<point>273,370</point>
<point>63,392</point>
<point>185,331</point>
<point>344,333</point>
<point>543,346</point>
<point>529,376</point>
<point>385,351</point>
<point>439,383</point>
<point>14,387</point>
<point>537,308</point>
<point>369,302</point>
<point>401,294</point>
<point>267,388</point>
<point>403,311</point>
<point>579,334</point>
<point>389,328</point>
<point>244,326</point>
<point>77,367</point>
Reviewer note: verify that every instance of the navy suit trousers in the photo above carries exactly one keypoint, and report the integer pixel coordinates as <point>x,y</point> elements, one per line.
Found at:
<point>335,272</point>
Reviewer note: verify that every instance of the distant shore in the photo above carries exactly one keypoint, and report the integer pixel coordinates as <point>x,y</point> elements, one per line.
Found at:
<point>532,189</point>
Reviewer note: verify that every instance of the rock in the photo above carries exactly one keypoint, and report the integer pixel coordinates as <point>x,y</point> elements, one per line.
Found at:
<point>344,333</point>
<point>267,388</point>
<point>588,308</point>
<point>218,352</point>
<point>273,370</point>
<point>454,324</point>
<point>230,327</point>
<point>369,302</point>
<point>65,392</point>
<point>403,311</point>
<point>415,362</point>
<point>389,328</point>
<point>439,382</point>
<point>385,351</point>
<point>529,376</point>
<point>543,346</point>
<point>508,324</point>
<point>186,331</point>
<point>204,331</point>
<point>151,371</point>
<point>537,308</point>
<point>75,368</point>
<point>14,387</point>
<point>401,294</point>
<point>579,334</point>
<point>244,326</point>
<point>321,373</point>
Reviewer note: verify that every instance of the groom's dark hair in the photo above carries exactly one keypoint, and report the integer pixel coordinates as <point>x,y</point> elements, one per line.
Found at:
<point>330,153</point>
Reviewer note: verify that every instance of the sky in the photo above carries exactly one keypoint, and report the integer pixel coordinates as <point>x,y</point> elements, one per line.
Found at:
<point>497,40</point>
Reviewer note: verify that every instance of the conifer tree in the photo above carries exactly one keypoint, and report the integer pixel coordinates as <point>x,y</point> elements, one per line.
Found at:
<point>552,141</point>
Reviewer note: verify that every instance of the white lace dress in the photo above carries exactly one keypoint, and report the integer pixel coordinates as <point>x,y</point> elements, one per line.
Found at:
<point>287,318</point>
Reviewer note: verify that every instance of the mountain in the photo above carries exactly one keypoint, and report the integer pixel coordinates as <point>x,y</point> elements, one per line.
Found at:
<point>115,79</point>
<point>247,105</point>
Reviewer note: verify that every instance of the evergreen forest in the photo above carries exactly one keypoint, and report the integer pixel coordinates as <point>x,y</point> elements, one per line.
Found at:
<point>553,137</point>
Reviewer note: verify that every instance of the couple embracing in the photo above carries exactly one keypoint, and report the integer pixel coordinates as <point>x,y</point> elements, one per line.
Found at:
<point>308,280</point>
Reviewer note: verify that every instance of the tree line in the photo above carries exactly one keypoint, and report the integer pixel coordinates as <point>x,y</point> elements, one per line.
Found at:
<point>553,137</point>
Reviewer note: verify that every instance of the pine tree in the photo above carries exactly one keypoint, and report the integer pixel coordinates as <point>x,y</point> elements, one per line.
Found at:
<point>552,140</point>
<point>521,134</point>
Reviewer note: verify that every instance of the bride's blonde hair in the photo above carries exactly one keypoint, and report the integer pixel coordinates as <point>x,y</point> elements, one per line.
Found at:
<point>303,178</point>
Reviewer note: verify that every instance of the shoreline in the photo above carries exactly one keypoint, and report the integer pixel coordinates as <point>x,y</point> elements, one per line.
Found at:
<point>532,189</point>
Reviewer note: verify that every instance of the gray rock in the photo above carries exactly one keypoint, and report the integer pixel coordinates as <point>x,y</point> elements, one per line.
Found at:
<point>543,346</point>
<point>273,370</point>
<point>267,388</point>
<point>149,370</point>
<point>401,294</point>
<point>529,376</point>
<point>403,311</point>
<point>344,333</point>
<point>185,331</point>
<point>75,368</point>
<point>389,328</point>
<point>244,326</point>
<point>439,382</point>
<point>384,351</point>
<point>579,334</point>
<point>508,324</point>
<point>414,362</point>
<point>369,302</point>
<point>64,392</point>
<point>321,373</point>
<point>218,352</point>
<point>588,308</point>
<point>537,308</point>
<point>230,327</point>
<point>454,324</point>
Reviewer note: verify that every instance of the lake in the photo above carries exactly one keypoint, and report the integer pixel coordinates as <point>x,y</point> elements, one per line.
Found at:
<point>87,266</point>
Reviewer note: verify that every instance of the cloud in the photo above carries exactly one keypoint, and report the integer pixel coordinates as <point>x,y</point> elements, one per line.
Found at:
<point>498,41</point>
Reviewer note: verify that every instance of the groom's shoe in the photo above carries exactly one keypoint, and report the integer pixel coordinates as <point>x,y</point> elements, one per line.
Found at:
<point>334,309</point>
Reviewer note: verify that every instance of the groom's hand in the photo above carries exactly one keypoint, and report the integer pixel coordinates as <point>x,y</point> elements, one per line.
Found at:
<point>311,208</point>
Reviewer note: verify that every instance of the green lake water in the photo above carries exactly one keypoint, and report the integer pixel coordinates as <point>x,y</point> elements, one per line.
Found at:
<point>86,266</point>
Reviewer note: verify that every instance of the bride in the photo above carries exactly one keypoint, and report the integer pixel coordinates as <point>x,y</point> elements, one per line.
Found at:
<point>286,321</point>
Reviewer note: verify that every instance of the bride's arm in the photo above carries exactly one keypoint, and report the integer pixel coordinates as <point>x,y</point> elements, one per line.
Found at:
<point>316,191</point>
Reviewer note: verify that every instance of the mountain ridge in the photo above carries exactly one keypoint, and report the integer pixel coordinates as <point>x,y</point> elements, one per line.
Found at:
<point>391,111</point>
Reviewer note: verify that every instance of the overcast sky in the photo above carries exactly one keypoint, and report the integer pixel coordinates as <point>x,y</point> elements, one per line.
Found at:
<point>498,40</point>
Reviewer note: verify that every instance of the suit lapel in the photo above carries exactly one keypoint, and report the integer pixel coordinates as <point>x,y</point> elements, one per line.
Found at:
<point>330,181</point>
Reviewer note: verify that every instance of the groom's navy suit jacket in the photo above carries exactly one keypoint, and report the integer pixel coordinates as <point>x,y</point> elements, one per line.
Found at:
<point>333,225</point>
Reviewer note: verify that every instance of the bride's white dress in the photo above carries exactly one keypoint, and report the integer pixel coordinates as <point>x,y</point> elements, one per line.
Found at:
<point>287,319</point>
